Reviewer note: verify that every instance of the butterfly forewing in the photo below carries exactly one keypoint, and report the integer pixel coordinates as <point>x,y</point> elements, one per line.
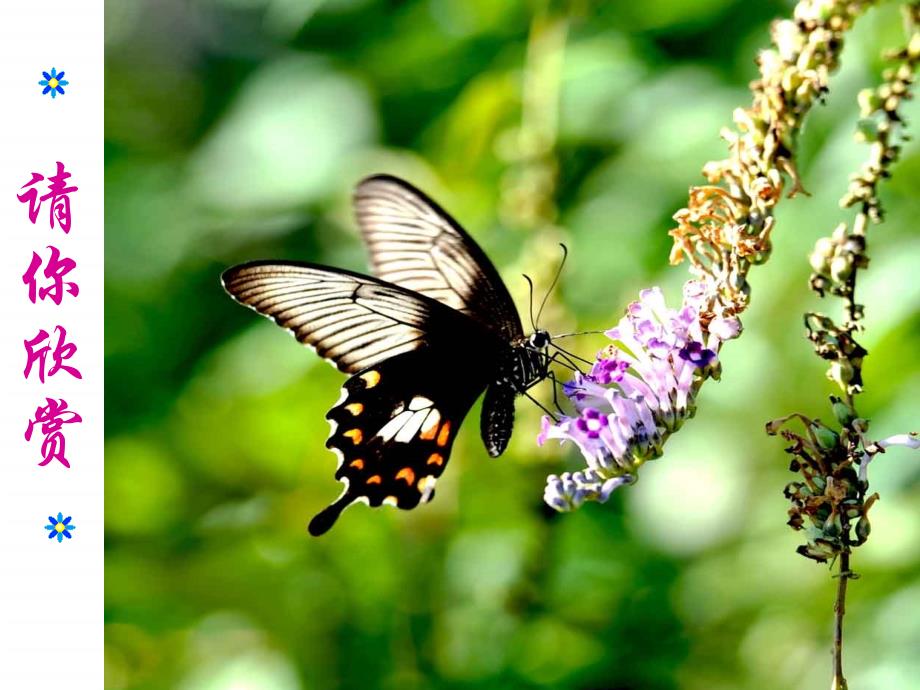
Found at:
<point>353,320</point>
<point>414,243</point>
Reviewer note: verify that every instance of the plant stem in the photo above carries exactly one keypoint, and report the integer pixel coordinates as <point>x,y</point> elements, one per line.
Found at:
<point>840,683</point>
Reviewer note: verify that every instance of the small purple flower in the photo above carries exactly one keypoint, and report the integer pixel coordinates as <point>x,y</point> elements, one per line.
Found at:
<point>639,391</point>
<point>572,489</point>
<point>591,423</point>
<point>608,370</point>
<point>909,440</point>
<point>695,353</point>
<point>54,83</point>
<point>725,328</point>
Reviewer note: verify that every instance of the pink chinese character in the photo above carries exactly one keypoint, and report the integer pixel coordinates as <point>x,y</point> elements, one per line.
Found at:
<point>58,193</point>
<point>52,416</point>
<point>55,270</point>
<point>62,351</point>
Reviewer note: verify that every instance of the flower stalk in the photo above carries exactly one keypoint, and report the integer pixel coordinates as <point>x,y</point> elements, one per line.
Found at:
<point>831,502</point>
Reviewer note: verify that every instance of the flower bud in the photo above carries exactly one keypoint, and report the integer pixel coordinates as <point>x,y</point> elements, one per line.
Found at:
<point>796,491</point>
<point>827,438</point>
<point>861,425</point>
<point>737,280</point>
<point>867,130</point>
<point>841,373</point>
<point>869,102</point>
<point>792,80</point>
<point>841,267</point>
<point>863,528</point>
<point>913,48</point>
<point>769,62</point>
<point>842,411</point>
<point>819,263</point>
<point>788,39</point>
<point>743,119</point>
<point>819,284</point>
<point>825,247</point>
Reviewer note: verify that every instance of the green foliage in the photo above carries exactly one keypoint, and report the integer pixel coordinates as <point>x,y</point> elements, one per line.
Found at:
<point>235,130</point>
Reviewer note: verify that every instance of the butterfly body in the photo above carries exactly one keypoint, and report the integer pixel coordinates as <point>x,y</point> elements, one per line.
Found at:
<point>421,341</point>
<point>521,367</point>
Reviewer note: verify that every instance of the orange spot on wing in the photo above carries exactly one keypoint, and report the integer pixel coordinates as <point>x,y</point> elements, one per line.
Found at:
<point>444,436</point>
<point>407,474</point>
<point>435,459</point>
<point>376,479</point>
<point>356,435</point>
<point>429,433</point>
<point>355,408</point>
<point>371,378</point>
<point>357,464</point>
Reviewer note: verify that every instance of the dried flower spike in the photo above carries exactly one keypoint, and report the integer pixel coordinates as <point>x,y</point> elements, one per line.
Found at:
<point>841,466</point>
<point>830,499</point>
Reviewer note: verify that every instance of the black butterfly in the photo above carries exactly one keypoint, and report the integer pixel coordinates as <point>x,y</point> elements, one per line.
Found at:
<point>421,341</point>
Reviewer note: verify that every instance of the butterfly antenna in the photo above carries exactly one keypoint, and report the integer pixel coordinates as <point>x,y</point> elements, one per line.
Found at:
<point>530,283</point>
<point>569,335</point>
<point>565,255</point>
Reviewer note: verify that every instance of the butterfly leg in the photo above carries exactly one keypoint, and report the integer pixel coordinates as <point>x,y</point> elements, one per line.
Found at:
<point>556,384</point>
<point>544,372</point>
<point>569,359</point>
<point>540,405</point>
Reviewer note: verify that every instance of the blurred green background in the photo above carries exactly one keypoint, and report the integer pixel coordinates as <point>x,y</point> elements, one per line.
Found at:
<point>235,130</point>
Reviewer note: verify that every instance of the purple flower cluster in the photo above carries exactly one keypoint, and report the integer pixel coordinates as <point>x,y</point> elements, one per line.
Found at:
<point>640,390</point>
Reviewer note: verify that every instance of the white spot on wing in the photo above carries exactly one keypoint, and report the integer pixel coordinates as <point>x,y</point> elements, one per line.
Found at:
<point>431,421</point>
<point>411,427</point>
<point>390,429</point>
<point>419,402</point>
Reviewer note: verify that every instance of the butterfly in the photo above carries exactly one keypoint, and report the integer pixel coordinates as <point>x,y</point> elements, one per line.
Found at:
<point>421,341</point>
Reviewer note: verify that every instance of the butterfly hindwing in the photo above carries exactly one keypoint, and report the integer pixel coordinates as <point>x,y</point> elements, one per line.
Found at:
<point>416,244</point>
<point>394,428</point>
